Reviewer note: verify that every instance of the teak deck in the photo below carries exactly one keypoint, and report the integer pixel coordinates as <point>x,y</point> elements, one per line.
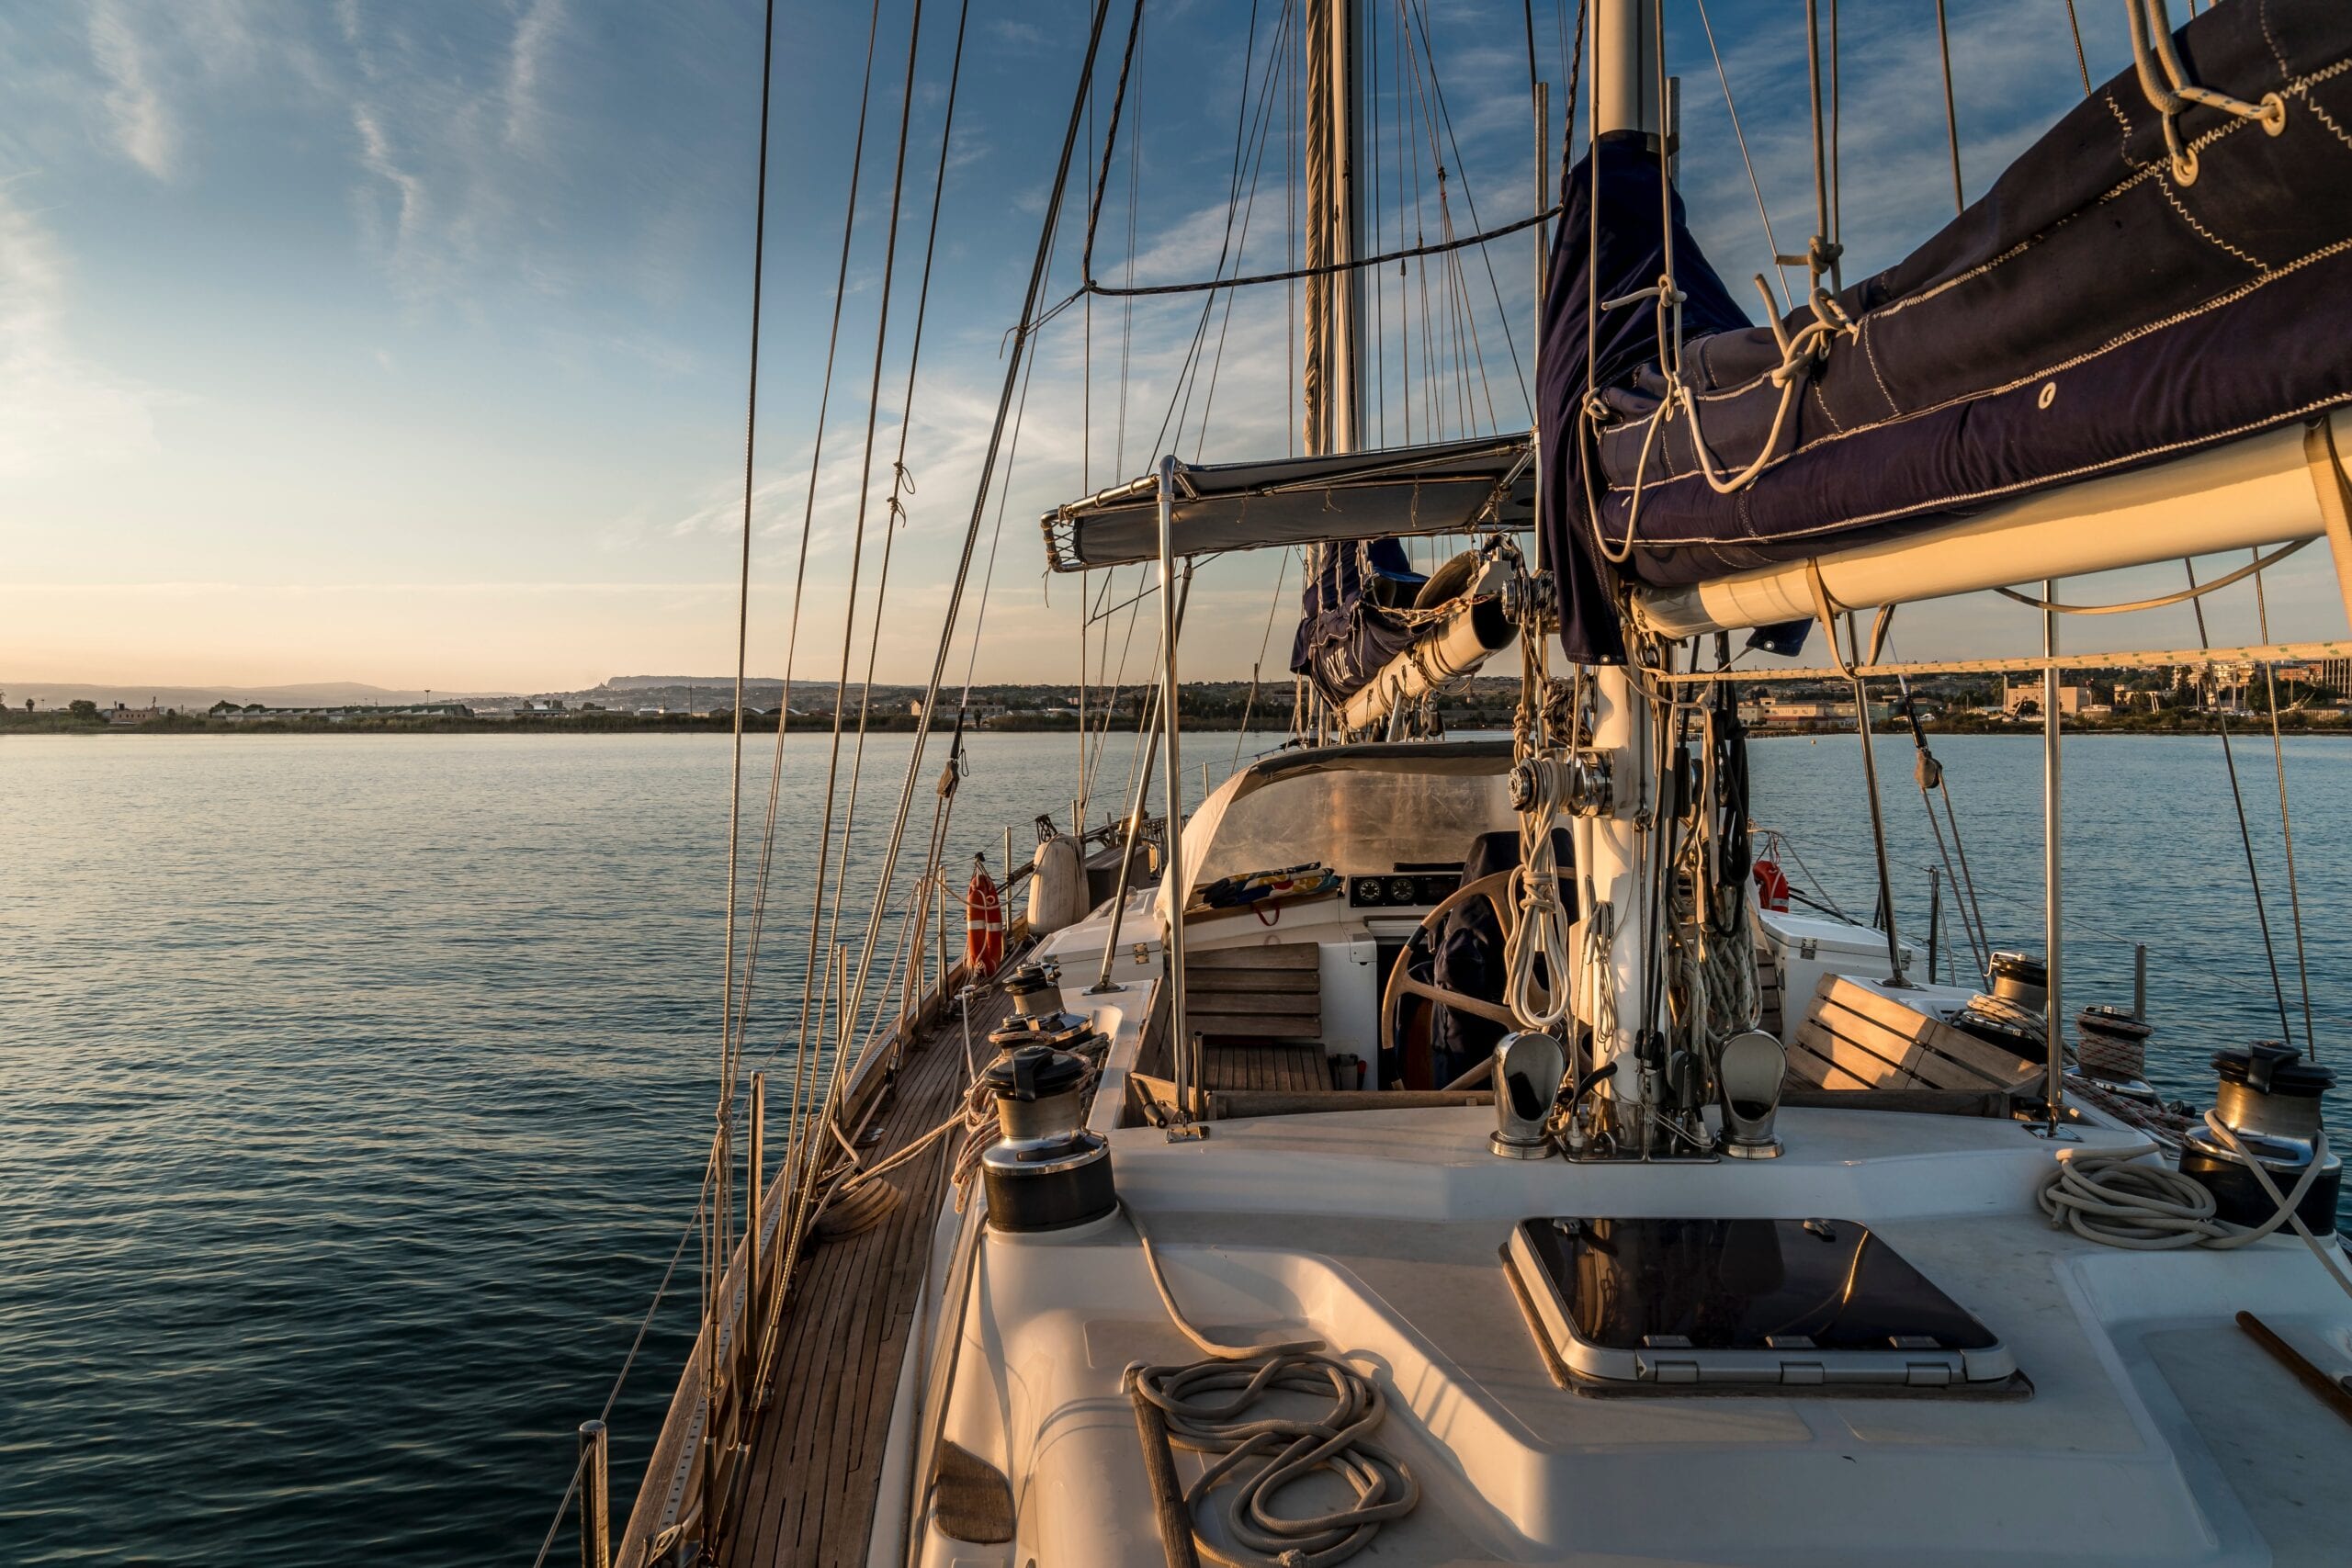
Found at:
<point>814,1471</point>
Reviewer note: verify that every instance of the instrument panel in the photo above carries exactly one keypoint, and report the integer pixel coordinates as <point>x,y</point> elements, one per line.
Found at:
<point>1406,887</point>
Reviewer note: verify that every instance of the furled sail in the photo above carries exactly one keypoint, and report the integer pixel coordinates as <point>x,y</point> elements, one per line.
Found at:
<point>1348,623</point>
<point>2111,303</point>
<point>1366,614</point>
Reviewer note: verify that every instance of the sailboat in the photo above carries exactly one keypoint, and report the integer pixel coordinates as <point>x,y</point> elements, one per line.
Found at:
<point>1435,1150</point>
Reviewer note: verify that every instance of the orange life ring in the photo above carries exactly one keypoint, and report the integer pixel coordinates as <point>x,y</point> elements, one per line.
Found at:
<point>1772,885</point>
<point>983,922</point>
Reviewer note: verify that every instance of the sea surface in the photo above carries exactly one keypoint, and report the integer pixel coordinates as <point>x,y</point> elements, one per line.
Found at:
<point>354,1090</point>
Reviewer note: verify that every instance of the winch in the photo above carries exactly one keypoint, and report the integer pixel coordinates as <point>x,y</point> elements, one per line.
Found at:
<point>1061,1031</point>
<point>2021,978</point>
<point>1035,989</point>
<point>1037,1017</point>
<point>2269,1096</point>
<point>1045,1171</point>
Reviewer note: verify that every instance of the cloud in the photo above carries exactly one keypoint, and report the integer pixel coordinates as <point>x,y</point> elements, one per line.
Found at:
<point>375,157</point>
<point>142,124</point>
<point>1024,37</point>
<point>533,34</point>
<point>58,412</point>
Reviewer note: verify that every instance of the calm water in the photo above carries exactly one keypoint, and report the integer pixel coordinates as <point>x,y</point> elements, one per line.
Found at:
<point>352,1089</point>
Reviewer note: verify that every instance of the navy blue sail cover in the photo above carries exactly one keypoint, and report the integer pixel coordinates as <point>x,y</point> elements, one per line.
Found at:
<point>2088,314</point>
<point>1345,635</point>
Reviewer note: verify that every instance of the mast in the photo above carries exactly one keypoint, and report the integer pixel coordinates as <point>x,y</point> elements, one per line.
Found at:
<point>1332,382</point>
<point>1615,982</point>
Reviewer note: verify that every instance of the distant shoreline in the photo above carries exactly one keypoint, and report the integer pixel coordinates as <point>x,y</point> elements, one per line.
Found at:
<point>2187,724</point>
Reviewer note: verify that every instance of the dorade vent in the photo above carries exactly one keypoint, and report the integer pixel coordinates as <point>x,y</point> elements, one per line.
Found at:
<point>970,1498</point>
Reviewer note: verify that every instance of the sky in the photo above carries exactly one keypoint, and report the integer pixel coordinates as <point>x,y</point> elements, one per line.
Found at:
<point>406,341</point>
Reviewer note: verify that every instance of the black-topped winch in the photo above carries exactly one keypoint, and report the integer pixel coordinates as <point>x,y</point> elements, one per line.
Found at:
<point>2021,978</point>
<point>1037,1017</point>
<point>1036,989</point>
<point>2268,1095</point>
<point>1060,1031</point>
<point>1045,1171</point>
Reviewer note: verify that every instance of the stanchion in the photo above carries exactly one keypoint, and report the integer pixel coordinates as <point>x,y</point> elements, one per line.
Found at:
<point>596,1515</point>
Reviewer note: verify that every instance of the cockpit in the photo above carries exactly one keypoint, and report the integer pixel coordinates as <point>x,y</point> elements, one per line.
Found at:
<point>1347,914</point>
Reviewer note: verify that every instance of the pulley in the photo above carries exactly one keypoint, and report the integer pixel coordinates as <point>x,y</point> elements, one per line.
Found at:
<point>1581,783</point>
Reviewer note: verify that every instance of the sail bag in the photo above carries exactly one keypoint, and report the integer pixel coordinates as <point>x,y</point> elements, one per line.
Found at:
<point>2090,313</point>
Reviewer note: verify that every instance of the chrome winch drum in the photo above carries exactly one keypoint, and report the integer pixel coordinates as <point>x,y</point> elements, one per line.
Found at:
<point>1035,989</point>
<point>1045,1171</point>
<point>2021,978</point>
<point>2269,1096</point>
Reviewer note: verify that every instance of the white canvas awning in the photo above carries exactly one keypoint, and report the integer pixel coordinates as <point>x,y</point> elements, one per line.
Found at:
<point>1458,487</point>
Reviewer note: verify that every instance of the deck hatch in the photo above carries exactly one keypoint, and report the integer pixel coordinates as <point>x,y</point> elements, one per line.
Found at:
<point>1743,1302</point>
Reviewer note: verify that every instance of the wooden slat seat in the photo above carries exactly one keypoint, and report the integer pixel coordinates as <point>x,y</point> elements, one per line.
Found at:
<point>1297,1068</point>
<point>1270,992</point>
<point>1856,1038</point>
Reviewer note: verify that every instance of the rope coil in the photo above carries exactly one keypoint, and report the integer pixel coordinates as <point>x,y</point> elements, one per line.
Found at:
<point>2107,1196</point>
<point>1541,933</point>
<point>1207,1404</point>
<point>1211,1408</point>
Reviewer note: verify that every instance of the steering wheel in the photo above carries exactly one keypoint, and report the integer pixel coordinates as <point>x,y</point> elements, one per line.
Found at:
<point>1403,983</point>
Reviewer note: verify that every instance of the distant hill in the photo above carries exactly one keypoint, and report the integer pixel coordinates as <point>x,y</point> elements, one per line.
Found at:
<point>644,683</point>
<point>317,694</point>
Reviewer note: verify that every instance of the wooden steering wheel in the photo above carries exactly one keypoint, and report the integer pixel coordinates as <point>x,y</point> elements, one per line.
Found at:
<point>1402,983</point>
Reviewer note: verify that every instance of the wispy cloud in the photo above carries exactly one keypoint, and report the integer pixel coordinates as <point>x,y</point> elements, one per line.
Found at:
<point>58,411</point>
<point>408,204</point>
<point>533,36</point>
<point>1017,37</point>
<point>142,124</point>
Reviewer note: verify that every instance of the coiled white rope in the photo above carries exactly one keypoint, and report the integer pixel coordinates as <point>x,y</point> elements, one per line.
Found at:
<point>1208,1408</point>
<point>2108,1197</point>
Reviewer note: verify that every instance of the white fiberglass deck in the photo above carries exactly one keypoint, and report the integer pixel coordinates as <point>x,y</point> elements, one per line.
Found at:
<point>2155,1433</point>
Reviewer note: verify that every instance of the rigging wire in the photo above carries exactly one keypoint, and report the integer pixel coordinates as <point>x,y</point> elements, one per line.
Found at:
<point>721,1154</point>
<point>1324,269</point>
<point>1019,361</point>
<point>2245,835</point>
<point>799,584</point>
<point>2082,61</point>
<point>1264,641</point>
<point>1740,136</point>
<point>2197,591</point>
<point>2286,823</point>
<point>1420,11</point>
<point>1231,247</point>
<point>1245,133</point>
<point>1951,115</point>
<point>857,536</point>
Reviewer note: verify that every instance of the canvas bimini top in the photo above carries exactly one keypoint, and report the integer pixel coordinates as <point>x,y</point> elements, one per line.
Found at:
<point>1482,485</point>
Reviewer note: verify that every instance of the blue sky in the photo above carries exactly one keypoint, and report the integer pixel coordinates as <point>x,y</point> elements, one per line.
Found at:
<point>405,342</point>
